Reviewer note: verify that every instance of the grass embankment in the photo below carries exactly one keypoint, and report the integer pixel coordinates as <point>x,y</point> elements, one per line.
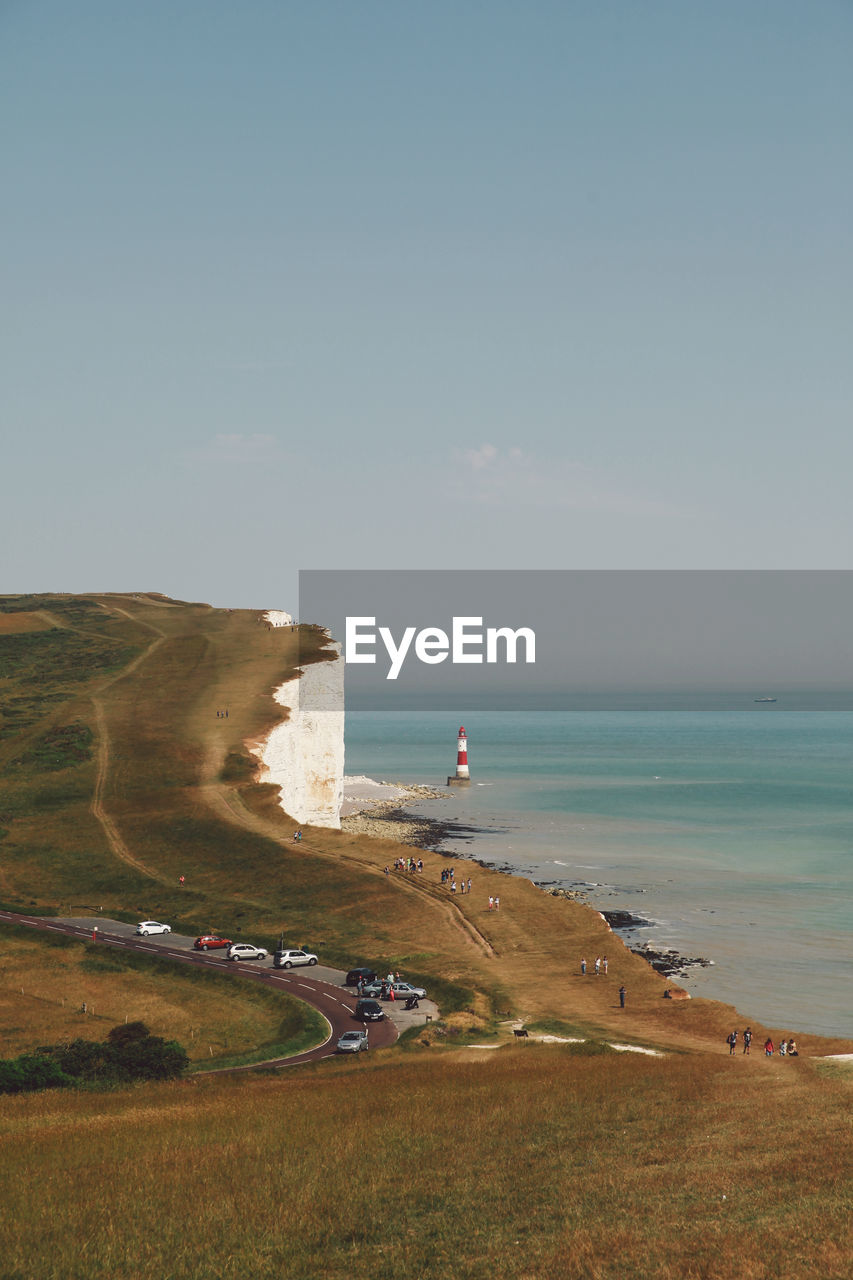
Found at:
<point>525,1162</point>
<point>163,788</point>
<point>532,1163</point>
<point>219,1019</point>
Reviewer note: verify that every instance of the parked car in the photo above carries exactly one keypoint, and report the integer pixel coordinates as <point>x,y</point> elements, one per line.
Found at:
<point>152,926</point>
<point>245,951</point>
<point>210,941</point>
<point>353,1042</point>
<point>402,990</point>
<point>369,1011</point>
<point>355,975</point>
<point>287,959</point>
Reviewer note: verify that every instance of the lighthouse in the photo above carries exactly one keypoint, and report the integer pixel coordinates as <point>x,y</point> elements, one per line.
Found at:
<point>461,778</point>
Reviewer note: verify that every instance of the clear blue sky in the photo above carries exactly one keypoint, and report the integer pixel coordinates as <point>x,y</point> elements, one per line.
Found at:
<point>470,284</point>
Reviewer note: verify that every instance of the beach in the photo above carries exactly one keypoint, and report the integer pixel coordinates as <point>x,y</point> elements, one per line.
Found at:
<point>724,841</point>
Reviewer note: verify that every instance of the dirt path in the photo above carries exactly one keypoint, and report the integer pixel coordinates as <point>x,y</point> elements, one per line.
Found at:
<point>98,808</point>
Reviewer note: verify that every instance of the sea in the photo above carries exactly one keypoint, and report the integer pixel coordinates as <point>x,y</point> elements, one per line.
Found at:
<point>730,832</point>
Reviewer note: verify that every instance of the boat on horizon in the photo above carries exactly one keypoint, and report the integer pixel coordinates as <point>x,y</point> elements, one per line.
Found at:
<point>763,699</point>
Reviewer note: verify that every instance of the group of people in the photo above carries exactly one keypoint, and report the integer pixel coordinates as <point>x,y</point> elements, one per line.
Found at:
<point>406,864</point>
<point>297,836</point>
<point>386,991</point>
<point>448,878</point>
<point>787,1048</point>
<point>600,965</point>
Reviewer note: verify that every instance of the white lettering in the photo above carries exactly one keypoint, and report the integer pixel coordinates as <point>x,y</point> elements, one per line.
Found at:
<point>511,638</point>
<point>461,637</point>
<point>432,645</point>
<point>397,655</point>
<point>354,639</point>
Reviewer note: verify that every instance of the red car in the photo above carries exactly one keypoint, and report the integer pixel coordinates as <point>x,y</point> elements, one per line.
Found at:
<point>209,941</point>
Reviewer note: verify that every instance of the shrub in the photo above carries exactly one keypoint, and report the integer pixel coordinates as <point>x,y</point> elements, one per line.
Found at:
<point>130,1053</point>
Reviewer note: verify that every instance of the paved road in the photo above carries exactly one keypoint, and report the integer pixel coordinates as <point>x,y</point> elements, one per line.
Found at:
<point>318,986</point>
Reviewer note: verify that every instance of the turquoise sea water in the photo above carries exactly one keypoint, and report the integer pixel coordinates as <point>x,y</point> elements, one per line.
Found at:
<point>731,830</point>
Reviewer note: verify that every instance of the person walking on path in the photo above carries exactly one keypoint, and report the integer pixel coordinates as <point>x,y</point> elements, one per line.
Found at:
<point>604,965</point>
<point>491,904</point>
<point>597,965</point>
<point>497,904</point>
<point>747,1040</point>
<point>583,966</point>
<point>622,994</point>
<point>768,1048</point>
<point>469,884</point>
<point>731,1040</point>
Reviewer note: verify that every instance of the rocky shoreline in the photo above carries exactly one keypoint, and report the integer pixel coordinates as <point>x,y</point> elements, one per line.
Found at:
<point>388,820</point>
<point>666,960</point>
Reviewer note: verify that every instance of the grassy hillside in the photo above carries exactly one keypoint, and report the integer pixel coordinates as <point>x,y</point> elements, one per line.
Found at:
<point>526,1163</point>
<point>117,777</point>
<point>54,989</point>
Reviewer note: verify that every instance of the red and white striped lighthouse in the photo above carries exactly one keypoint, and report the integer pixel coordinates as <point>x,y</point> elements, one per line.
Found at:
<point>461,778</point>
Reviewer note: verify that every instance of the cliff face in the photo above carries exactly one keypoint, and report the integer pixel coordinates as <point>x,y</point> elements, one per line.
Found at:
<point>304,756</point>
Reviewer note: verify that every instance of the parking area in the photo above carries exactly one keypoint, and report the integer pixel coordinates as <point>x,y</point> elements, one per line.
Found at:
<point>181,944</point>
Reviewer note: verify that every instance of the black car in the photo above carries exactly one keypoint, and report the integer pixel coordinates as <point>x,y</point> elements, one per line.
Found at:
<point>352,978</point>
<point>369,1011</point>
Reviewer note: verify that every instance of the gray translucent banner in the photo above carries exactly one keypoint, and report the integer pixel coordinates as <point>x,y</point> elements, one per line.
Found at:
<point>632,640</point>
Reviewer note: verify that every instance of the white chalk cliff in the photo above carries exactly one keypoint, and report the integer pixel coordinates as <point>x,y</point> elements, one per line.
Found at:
<point>304,755</point>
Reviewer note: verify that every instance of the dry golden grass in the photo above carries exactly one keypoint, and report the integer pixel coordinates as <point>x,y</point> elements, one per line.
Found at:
<point>43,989</point>
<point>17,623</point>
<point>525,1163</point>
<point>531,1164</point>
<point>178,814</point>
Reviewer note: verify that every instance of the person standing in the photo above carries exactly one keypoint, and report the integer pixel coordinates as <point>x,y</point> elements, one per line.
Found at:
<point>747,1040</point>
<point>497,904</point>
<point>491,904</point>
<point>597,965</point>
<point>622,994</point>
<point>768,1048</point>
<point>732,1041</point>
<point>583,966</point>
<point>604,965</point>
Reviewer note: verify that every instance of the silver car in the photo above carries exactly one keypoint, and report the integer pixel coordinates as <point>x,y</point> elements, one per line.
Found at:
<point>245,951</point>
<point>402,990</point>
<point>287,959</point>
<point>353,1042</point>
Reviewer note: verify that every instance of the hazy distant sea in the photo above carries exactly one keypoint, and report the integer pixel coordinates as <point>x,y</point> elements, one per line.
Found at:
<point>732,831</point>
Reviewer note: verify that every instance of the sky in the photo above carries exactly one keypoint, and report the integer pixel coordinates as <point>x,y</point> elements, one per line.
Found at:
<point>477,285</point>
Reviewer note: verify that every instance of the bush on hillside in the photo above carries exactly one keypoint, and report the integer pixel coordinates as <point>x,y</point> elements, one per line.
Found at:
<point>129,1053</point>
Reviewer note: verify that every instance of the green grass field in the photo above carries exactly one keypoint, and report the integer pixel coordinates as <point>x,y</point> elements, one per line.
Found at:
<point>426,1160</point>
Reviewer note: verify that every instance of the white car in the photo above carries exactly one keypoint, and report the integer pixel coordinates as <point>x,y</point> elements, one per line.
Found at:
<point>287,959</point>
<point>245,951</point>
<point>152,926</point>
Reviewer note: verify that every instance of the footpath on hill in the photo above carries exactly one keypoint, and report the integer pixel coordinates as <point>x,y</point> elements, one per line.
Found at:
<point>169,759</point>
